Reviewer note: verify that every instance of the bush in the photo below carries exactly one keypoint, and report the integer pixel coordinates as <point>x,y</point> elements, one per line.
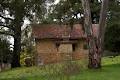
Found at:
<point>28,61</point>
<point>5,52</point>
<point>112,38</point>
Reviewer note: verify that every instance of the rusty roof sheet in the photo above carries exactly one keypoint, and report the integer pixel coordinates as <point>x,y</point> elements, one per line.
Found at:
<point>56,31</point>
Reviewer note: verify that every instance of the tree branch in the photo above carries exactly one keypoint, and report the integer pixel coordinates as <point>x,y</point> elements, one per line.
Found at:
<point>1,28</point>
<point>6,33</point>
<point>6,18</point>
<point>7,26</point>
<point>102,22</point>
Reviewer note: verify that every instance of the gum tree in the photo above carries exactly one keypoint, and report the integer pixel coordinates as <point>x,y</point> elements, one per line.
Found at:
<point>95,43</point>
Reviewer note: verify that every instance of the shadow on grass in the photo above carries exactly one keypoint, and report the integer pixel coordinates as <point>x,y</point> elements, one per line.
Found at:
<point>112,65</point>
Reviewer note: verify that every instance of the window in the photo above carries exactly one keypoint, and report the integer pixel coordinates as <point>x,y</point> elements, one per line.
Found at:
<point>74,46</point>
<point>57,46</point>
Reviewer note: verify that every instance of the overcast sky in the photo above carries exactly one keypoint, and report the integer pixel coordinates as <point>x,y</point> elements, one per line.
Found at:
<point>57,1</point>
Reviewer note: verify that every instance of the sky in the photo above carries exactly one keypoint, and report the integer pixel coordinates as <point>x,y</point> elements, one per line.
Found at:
<point>57,1</point>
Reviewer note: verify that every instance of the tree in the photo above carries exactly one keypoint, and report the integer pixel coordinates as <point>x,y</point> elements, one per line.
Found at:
<point>95,43</point>
<point>114,12</point>
<point>12,16</point>
<point>112,32</point>
<point>112,38</point>
<point>65,12</point>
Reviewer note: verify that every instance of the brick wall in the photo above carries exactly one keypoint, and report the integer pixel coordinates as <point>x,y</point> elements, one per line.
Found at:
<point>49,53</point>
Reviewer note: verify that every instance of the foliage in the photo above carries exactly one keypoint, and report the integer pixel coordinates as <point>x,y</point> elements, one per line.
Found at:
<point>27,54</point>
<point>112,37</point>
<point>112,41</point>
<point>5,52</point>
<point>12,16</point>
<point>69,12</point>
<point>28,47</point>
<point>114,12</point>
<point>65,11</point>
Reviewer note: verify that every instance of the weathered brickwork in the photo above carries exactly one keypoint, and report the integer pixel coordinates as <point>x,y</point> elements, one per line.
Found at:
<point>47,52</point>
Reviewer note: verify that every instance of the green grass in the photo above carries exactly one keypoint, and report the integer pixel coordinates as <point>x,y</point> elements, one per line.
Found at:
<point>109,71</point>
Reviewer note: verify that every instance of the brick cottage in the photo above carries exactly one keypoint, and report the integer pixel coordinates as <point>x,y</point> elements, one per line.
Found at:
<point>55,43</point>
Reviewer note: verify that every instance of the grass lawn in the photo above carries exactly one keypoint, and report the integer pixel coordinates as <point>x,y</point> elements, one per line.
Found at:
<point>109,71</point>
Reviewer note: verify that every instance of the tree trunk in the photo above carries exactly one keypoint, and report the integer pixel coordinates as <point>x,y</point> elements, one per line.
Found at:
<point>94,55</point>
<point>17,47</point>
<point>16,52</point>
<point>95,43</point>
<point>102,23</point>
<point>18,22</point>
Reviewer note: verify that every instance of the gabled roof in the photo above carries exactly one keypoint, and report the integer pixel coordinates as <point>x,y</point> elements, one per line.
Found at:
<point>56,31</point>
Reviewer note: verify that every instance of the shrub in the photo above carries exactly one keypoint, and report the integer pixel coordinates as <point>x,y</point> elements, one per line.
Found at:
<point>112,38</point>
<point>28,61</point>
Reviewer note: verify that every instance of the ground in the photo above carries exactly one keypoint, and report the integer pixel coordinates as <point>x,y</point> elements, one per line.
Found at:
<point>109,71</point>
